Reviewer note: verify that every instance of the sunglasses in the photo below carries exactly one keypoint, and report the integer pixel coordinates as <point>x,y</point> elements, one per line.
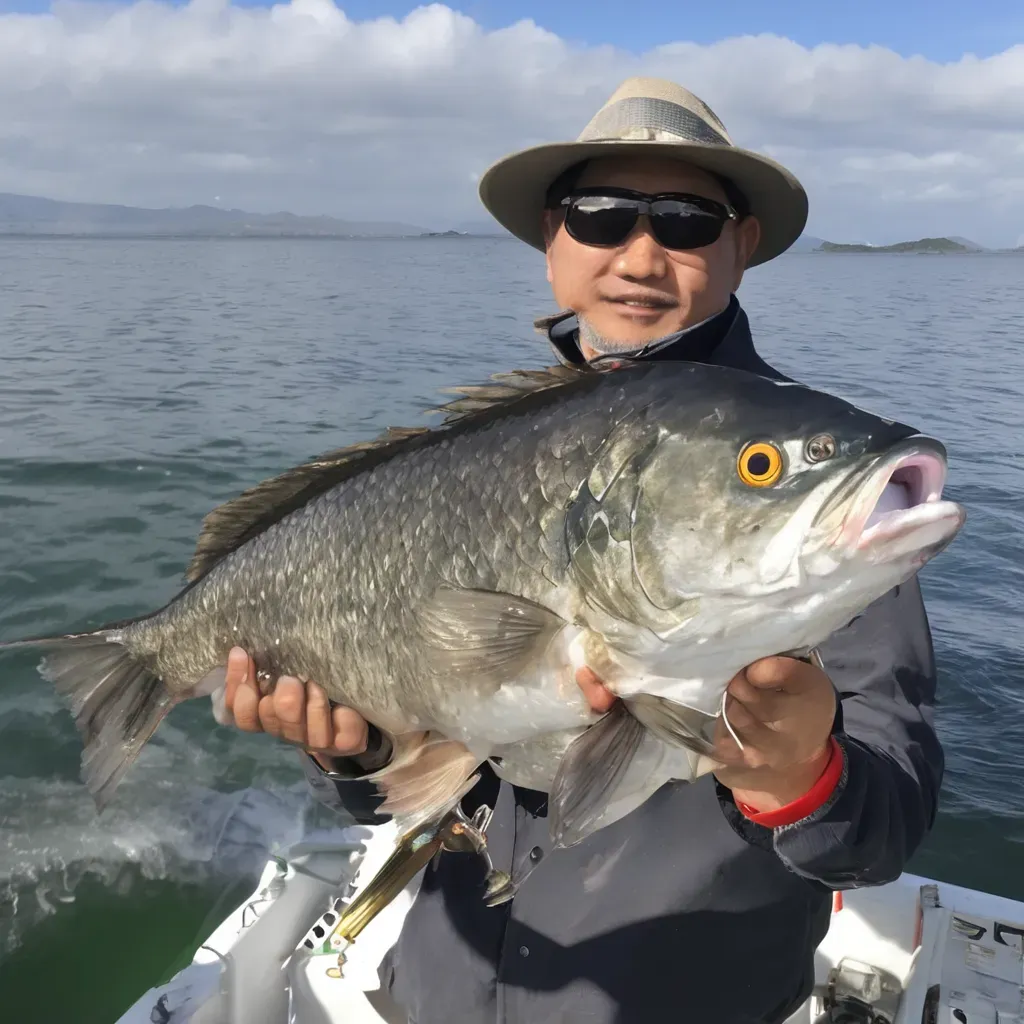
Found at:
<point>606,217</point>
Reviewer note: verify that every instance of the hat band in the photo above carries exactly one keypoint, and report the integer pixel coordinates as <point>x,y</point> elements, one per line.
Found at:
<point>644,117</point>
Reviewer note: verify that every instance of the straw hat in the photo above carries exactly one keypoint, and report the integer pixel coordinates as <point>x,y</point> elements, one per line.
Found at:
<point>655,116</point>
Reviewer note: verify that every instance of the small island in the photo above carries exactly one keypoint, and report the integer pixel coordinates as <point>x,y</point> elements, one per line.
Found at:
<point>922,245</point>
<point>937,246</point>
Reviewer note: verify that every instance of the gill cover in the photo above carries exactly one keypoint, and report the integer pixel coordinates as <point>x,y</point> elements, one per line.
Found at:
<point>599,531</point>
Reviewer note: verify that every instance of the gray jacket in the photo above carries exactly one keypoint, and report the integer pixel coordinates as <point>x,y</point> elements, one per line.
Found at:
<point>686,909</point>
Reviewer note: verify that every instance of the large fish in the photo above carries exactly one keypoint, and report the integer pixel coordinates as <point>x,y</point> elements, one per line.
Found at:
<point>665,524</point>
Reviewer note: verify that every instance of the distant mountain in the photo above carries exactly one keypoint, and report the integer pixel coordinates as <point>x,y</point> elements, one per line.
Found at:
<point>922,245</point>
<point>806,243</point>
<point>484,227</point>
<point>31,215</point>
<point>34,215</point>
<point>967,243</point>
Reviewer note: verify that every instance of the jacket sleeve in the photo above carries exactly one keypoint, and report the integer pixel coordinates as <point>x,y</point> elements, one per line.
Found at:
<point>883,803</point>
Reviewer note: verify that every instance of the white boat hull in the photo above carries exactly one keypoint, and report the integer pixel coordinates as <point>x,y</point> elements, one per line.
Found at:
<point>918,951</point>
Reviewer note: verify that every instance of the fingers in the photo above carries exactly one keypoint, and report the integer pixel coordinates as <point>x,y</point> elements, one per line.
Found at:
<point>237,670</point>
<point>285,717</point>
<point>761,705</point>
<point>598,696</point>
<point>293,711</point>
<point>268,717</point>
<point>350,732</point>
<point>319,730</point>
<point>752,733</point>
<point>745,720</point>
<point>768,687</point>
<point>340,732</point>
<point>241,692</point>
<point>780,708</point>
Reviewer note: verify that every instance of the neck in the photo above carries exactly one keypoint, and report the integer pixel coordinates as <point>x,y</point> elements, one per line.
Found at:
<point>697,343</point>
<point>593,344</point>
<point>694,342</point>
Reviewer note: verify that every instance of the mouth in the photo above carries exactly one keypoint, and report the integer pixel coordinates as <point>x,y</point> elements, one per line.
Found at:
<point>898,508</point>
<point>643,305</point>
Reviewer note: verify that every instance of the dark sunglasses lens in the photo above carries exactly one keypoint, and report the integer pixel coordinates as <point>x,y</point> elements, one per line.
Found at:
<point>679,225</point>
<point>608,220</point>
<point>601,220</point>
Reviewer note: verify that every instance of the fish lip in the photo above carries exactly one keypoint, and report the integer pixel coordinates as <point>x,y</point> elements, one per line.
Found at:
<point>919,464</point>
<point>880,541</point>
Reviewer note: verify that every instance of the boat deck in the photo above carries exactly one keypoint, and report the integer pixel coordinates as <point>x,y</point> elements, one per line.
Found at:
<point>915,951</point>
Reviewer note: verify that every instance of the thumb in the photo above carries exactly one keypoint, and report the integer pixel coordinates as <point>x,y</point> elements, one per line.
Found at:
<point>597,695</point>
<point>770,673</point>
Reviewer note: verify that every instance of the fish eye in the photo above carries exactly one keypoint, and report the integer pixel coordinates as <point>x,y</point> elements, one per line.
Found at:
<point>759,464</point>
<point>820,448</point>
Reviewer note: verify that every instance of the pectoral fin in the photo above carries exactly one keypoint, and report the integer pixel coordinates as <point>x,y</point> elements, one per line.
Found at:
<point>675,724</point>
<point>593,770</point>
<point>486,636</point>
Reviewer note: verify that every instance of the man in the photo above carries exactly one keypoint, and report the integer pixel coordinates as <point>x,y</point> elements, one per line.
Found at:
<point>706,903</point>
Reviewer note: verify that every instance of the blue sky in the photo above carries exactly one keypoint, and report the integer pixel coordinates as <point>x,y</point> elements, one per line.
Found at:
<point>940,30</point>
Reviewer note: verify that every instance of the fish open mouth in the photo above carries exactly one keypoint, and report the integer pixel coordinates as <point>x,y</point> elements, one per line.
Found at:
<point>898,508</point>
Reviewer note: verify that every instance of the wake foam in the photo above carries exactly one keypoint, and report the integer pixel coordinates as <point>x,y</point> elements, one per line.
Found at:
<point>171,819</point>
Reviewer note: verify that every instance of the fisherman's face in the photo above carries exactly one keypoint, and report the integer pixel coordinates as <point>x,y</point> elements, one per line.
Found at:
<point>637,292</point>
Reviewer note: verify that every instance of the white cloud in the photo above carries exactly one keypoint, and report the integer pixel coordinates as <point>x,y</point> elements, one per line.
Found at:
<point>297,107</point>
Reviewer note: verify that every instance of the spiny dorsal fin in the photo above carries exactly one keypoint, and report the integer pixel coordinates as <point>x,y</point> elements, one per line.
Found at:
<point>507,387</point>
<point>237,521</point>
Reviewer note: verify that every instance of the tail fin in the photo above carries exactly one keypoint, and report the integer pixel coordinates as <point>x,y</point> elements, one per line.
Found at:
<point>117,702</point>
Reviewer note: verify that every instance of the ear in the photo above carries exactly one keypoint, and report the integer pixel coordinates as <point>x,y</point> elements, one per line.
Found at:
<point>748,235</point>
<point>551,222</point>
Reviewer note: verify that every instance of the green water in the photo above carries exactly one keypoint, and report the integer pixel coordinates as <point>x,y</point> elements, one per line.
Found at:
<point>95,957</point>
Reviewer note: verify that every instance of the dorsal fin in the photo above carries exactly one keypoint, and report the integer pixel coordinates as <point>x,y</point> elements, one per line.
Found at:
<point>237,521</point>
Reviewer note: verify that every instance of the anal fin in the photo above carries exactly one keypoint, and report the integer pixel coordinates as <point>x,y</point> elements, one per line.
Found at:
<point>427,775</point>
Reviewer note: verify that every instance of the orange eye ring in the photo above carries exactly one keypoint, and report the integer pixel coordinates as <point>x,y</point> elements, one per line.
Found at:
<point>759,464</point>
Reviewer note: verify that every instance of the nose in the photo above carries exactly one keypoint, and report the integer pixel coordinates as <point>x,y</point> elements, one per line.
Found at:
<point>640,256</point>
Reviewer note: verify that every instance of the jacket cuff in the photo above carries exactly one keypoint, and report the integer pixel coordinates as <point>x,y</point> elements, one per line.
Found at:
<point>345,794</point>
<point>803,807</point>
<point>343,769</point>
<point>346,769</point>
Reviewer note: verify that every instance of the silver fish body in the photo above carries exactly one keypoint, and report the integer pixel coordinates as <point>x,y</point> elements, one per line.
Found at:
<point>665,524</point>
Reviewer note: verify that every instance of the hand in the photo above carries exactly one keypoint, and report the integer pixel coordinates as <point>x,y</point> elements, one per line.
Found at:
<point>294,712</point>
<point>782,710</point>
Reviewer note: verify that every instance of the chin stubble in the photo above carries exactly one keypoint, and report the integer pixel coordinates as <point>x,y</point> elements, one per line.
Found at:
<point>606,346</point>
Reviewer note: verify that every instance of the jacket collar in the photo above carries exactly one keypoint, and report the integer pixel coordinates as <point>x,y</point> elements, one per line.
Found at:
<point>723,339</point>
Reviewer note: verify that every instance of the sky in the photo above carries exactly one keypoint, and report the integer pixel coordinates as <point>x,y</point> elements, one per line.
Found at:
<point>902,119</point>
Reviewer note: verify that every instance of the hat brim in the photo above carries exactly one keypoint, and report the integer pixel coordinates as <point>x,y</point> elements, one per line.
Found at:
<point>515,188</point>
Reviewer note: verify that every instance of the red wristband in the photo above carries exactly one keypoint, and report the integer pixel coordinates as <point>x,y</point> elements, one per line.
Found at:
<point>817,796</point>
